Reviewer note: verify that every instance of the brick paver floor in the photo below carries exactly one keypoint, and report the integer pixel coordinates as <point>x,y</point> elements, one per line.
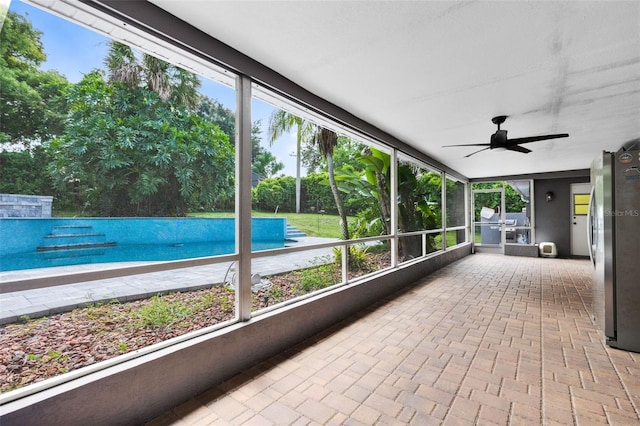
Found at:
<point>488,340</point>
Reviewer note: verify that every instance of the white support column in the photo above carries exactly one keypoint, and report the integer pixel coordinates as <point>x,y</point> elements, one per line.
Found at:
<point>532,207</point>
<point>298,181</point>
<point>345,263</point>
<point>443,201</point>
<point>468,220</point>
<point>393,173</point>
<point>243,197</point>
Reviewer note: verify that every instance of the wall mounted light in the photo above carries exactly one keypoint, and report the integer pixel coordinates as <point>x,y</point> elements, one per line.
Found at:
<point>549,196</point>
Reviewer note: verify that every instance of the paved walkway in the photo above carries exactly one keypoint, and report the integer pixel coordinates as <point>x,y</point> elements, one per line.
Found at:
<point>52,300</point>
<point>488,340</point>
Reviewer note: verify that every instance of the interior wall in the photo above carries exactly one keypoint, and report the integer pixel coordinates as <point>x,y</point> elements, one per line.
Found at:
<point>553,218</point>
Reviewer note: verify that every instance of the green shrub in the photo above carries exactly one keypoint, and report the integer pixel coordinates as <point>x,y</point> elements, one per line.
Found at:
<point>160,312</point>
<point>316,277</point>
<point>316,194</point>
<point>357,257</point>
<point>274,193</point>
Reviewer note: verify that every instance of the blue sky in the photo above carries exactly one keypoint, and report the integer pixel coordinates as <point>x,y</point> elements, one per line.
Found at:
<point>74,51</point>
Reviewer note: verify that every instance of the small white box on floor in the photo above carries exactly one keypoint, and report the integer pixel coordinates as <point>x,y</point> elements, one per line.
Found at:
<point>548,249</point>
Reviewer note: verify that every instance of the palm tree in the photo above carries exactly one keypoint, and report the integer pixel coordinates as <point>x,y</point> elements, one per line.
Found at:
<point>327,141</point>
<point>184,88</point>
<point>280,123</point>
<point>123,65</point>
<point>168,81</point>
<point>156,75</point>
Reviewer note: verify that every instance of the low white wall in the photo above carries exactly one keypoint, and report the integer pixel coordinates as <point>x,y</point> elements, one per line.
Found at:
<point>141,389</point>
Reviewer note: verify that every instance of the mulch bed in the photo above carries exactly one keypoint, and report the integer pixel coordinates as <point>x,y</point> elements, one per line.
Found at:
<point>42,348</point>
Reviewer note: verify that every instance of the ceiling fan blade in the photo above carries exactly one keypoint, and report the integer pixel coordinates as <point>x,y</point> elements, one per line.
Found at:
<point>469,144</point>
<point>518,148</point>
<point>475,152</point>
<point>518,141</point>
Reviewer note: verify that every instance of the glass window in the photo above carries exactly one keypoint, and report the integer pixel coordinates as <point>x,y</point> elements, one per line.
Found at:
<point>455,212</point>
<point>419,197</point>
<point>458,236</point>
<point>491,224</point>
<point>487,216</point>
<point>518,212</point>
<point>325,183</point>
<point>455,203</point>
<point>138,155</point>
<point>580,204</point>
<point>325,180</point>
<point>419,208</point>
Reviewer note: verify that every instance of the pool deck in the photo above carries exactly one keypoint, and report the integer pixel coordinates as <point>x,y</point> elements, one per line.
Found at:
<point>53,300</point>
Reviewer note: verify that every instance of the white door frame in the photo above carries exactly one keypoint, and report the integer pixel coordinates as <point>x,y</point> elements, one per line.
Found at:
<point>491,248</point>
<point>579,226</point>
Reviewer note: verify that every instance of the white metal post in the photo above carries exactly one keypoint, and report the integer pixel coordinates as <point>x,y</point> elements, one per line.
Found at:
<point>393,173</point>
<point>243,197</point>
<point>443,205</point>
<point>468,223</point>
<point>345,263</point>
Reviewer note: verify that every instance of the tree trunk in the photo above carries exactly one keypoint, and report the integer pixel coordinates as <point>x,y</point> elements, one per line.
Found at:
<point>298,186</point>
<point>336,196</point>
<point>385,202</point>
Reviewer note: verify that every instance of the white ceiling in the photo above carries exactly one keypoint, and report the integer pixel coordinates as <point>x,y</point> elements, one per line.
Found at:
<point>435,73</point>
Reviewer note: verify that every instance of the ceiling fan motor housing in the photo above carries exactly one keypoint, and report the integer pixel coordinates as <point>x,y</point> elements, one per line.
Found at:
<point>498,139</point>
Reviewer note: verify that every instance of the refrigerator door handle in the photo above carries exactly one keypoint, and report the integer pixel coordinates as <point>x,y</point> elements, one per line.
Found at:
<point>590,217</point>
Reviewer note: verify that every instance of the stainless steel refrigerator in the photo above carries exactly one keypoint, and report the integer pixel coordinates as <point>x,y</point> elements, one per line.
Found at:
<point>614,234</point>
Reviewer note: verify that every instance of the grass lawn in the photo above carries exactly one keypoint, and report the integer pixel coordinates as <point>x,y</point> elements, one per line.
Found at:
<point>312,224</point>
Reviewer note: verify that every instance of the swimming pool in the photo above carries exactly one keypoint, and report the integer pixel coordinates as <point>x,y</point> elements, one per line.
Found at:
<point>124,253</point>
<point>41,243</point>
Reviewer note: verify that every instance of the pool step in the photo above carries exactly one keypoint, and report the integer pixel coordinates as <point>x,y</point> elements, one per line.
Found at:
<point>70,257</point>
<point>73,237</point>
<point>88,234</point>
<point>75,246</point>
<point>73,253</point>
<point>293,232</point>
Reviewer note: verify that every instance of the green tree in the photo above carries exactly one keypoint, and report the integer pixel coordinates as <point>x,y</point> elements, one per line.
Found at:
<point>512,199</point>
<point>169,82</point>
<point>370,184</point>
<point>263,162</point>
<point>316,193</point>
<point>327,141</point>
<point>135,145</point>
<point>32,108</point>
<point>24,172</point>
<point>129,153</point>
<point>281,122</point>
<point>213,111</point>
<point>418,199</point>
<point>275,193</point>
<point>345,154</point>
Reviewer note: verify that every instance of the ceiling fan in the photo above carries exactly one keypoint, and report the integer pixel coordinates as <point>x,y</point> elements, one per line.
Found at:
<point>499,139</point>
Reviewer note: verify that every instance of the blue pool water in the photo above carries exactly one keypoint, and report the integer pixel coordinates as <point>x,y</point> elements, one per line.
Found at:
<point>124,253</point>
<point>47,242</point>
